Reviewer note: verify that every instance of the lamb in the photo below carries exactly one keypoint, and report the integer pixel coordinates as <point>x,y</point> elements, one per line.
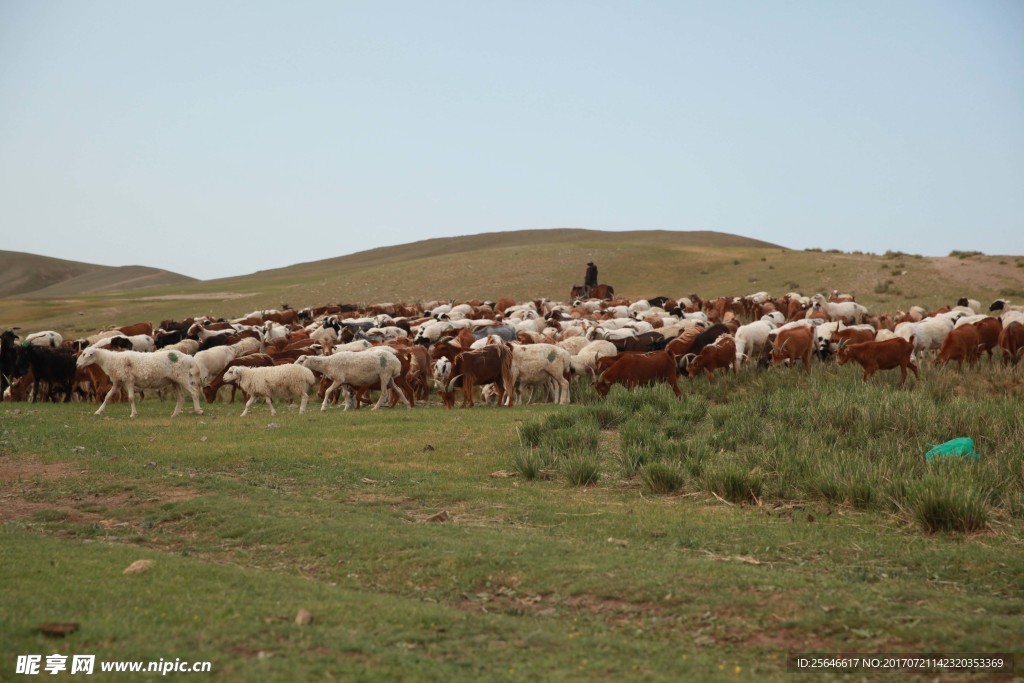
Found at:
<point>156,370</point>
<point>280,381</point>
<point>378,365</point>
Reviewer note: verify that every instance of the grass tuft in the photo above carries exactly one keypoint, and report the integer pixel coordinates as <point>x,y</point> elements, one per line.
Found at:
<point>944,504</point>
<point>662,477</point>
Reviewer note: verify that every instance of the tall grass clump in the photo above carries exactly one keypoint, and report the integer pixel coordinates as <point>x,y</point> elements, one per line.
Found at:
<point>581,469</point>
<point>583,392</point>
<point>640,445</point>
<point>662,477</point>
<point>562,433</point>
<point>941,503</point>
<point>734,483</point>
<point>529,463</point>
<point>607,416</point>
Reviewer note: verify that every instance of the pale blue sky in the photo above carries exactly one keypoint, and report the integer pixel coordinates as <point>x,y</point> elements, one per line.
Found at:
<point>221,138</point>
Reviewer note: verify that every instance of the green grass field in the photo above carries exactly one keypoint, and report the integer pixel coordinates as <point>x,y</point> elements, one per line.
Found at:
<point>762,515</point>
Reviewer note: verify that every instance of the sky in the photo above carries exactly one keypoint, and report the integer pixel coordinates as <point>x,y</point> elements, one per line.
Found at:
<point>218,139</point>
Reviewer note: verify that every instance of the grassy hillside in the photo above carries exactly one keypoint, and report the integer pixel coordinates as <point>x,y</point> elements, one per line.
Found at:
<point>30,275</point>
<point>545,263</point>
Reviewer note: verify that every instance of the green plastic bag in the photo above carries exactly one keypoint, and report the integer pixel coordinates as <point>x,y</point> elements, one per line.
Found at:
<point>962,447</point>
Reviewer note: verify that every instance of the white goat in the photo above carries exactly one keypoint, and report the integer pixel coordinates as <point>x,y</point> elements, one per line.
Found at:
<point>845,309</point>
<point>158,370</point>
<point>750,340</point>
<point>278,381</point>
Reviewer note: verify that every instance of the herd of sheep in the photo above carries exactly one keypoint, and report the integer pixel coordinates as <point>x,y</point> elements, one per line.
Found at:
<point>403,351</point>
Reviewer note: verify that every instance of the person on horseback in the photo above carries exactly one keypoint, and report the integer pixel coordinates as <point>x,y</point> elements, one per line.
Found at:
<point>590,279</point>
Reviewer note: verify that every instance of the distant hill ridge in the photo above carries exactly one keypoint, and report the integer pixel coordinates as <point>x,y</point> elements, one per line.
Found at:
<point>576,237</point>
<point>31,275</point>
<point>43,293</point>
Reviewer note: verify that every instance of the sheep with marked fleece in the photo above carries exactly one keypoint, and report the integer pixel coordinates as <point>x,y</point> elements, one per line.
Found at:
<point>534,364</point>
<point>133,370</point>
<point>351,369</point>
<point>288,381</point>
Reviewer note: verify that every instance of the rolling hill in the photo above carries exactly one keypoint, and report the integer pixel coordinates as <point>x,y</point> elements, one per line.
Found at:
<point>532,264</point>
<point>30,275</point>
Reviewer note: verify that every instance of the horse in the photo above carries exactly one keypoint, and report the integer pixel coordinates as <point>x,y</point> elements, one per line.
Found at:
<point>597,292</point>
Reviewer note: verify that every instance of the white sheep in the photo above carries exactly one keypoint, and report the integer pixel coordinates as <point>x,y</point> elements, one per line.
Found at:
<point>972,304</point>
<point>187,346</point>
<point>533,364</point>
<point>573,344</point>
<point>132,370</point>
<point>142,343</point>
<point>378,365</point>
<point>278,381</point>
<point>357,345</point>
<point>211,361</point>
<point>584,363</point>
<point>47,338</point>
<point>929,333</point>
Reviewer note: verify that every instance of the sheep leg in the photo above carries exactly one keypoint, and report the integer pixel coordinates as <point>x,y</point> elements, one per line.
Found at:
<point>563,391</point>
<point>305,400</point>
<point>327,395</point>
<point>131,397</point>
<point>179,400</point>
<point>401,394</point>
<point>383,392</point>
<point>252,399</point>
<point>271,405</point>
<point>196,408</point>
<point>110,394</point>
